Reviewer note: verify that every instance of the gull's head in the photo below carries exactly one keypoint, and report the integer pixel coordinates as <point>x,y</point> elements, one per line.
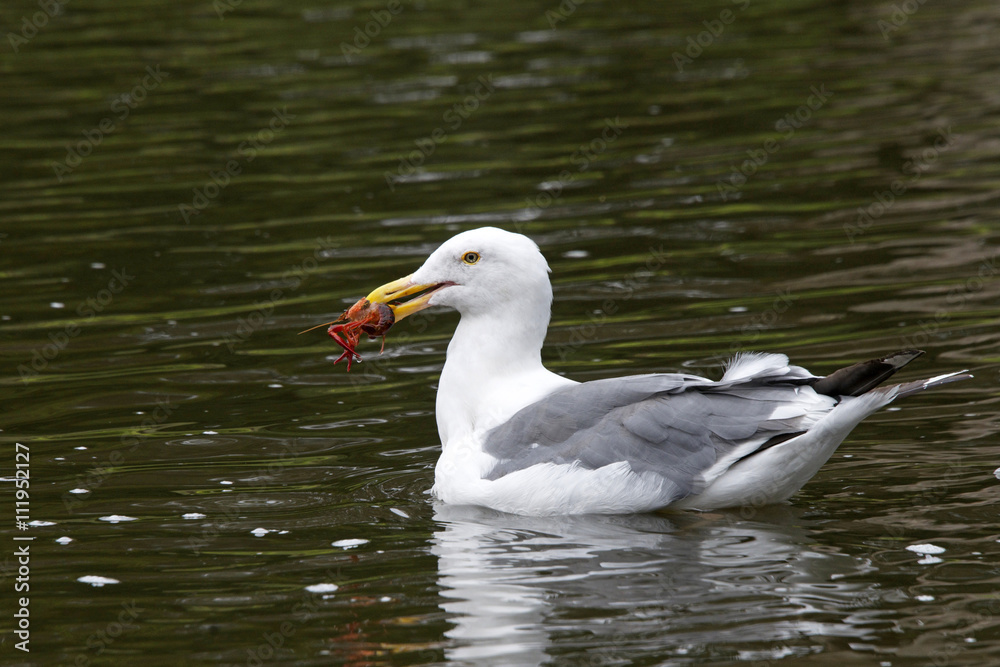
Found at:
<point>486,270</point>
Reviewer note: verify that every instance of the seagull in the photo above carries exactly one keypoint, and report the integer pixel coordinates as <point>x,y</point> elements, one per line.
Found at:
<point>521,439</point>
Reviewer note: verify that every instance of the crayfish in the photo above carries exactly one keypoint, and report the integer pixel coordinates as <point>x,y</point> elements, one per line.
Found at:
<point>366,317</point>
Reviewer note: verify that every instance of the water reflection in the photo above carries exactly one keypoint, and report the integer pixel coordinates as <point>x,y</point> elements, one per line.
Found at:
<point>523,590</point>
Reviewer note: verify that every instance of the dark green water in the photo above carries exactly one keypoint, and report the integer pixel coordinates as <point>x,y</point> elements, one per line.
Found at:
<point>186,185</point>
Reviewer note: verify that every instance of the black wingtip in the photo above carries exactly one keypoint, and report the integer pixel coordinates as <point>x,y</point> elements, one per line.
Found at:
<point>865,376</point>
<point>901,358</point>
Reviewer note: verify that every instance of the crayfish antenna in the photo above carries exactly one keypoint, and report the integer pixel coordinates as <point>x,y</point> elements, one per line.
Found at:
<point>319,325</point>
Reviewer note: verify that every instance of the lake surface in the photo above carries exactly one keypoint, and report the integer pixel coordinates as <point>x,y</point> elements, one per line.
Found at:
<point>187,185</point>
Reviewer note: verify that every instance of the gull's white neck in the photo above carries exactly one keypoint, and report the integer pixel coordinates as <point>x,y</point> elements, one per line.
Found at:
<point>494,368</point>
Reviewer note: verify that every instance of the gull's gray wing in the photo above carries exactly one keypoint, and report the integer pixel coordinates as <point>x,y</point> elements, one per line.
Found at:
<point>677,426</point>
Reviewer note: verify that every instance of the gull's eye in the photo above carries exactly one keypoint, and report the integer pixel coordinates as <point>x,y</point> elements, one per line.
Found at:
<point>470,257</point>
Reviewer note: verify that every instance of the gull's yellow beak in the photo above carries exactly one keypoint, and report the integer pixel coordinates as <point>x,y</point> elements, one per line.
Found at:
<point>402,288</point>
